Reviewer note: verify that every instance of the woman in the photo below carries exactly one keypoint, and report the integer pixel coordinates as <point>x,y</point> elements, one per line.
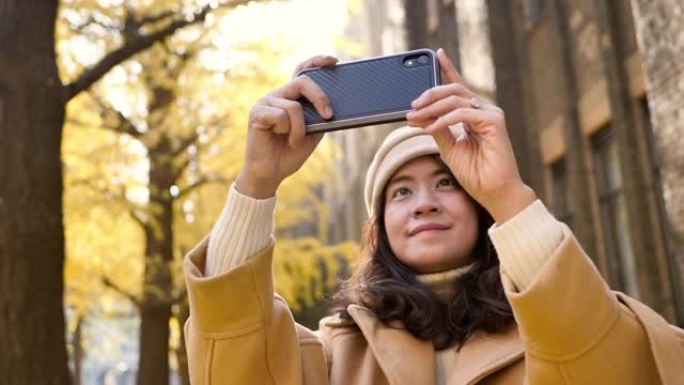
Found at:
<point>434,303</point>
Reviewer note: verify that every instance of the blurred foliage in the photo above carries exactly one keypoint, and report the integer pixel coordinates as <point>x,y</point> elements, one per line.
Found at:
<point>214,82</point>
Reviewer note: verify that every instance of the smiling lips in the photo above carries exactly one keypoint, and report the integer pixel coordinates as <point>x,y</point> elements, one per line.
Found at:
<point>427,227</point>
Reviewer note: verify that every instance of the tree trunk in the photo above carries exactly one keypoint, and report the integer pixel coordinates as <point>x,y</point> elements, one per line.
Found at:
<point>447,30</point>
<point>416,20</point>
<point>31,229</point>
<point>181,353</point>
<point>513,92</point>
<point>78,353</point>
<point>155,307</point>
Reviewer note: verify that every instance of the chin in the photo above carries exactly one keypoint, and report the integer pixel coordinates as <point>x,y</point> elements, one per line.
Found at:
<point>437,264</point>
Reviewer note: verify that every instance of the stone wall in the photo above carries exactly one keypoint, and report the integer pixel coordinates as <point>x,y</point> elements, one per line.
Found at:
<point>659,26</point>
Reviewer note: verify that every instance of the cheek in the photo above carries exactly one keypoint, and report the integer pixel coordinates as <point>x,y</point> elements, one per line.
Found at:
<point>472,223</point>
<point>392,224</point>
<point>464,211</point>
<point>395,225</point>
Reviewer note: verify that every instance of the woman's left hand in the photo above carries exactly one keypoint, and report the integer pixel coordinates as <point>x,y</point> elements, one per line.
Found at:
<point>482,160</point>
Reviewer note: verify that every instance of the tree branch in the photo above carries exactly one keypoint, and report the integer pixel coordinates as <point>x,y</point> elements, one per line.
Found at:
<point>80,27</point>
<point>110,284</point>
<point>132,209</point>
<point>135,215</point>
<point>193,137</point>
<point>184,143</point>
<point>178,171</point>
<point>124,126</point>
<point>155,18</point>
<point>199,183</point>
<point>135,45</point>
<point>201,144</point>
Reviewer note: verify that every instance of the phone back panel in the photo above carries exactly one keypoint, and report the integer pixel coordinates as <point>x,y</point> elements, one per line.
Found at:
<point>371,91</point>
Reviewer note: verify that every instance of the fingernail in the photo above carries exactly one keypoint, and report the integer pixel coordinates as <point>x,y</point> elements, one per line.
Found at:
<point>417,103</point>
<point>328,112</point>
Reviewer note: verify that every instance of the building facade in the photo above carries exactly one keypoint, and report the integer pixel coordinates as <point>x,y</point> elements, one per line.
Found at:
<point>592,93</point>
<point>589,138</point>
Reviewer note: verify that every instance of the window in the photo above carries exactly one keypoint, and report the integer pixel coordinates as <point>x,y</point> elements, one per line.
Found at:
<point>561,204</point>
<point>613,210</point>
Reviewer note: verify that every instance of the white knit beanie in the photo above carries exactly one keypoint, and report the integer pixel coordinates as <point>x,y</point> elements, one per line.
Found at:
<point>400,146</point>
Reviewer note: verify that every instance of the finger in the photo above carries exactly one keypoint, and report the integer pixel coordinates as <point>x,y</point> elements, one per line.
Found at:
<point>474,118</point>
<point>438,108</point>
<point>296,118</point>
<point>316,61</point>
<point>447,68</point>
<point>440,92</point>
<point>445,140</point>
<point>420,123</point>
<point>271,118</point>
<point>304,86</point>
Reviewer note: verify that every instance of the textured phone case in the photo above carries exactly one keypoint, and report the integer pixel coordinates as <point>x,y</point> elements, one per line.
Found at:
<point>371,91</point>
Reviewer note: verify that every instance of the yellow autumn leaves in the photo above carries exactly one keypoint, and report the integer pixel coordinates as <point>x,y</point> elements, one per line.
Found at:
<point>111,130</point>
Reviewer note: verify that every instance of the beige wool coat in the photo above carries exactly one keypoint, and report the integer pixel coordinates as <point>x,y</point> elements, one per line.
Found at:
<point>571,329</point>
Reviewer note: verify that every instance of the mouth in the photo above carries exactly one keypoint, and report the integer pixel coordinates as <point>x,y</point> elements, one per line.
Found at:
<point>428,228</point>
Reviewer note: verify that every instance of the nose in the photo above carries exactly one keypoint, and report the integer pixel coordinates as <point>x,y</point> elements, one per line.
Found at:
<point>426,201</point>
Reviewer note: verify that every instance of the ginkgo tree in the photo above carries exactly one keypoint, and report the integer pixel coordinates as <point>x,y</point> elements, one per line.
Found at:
<point>34,94</point>
<point>176,131</point>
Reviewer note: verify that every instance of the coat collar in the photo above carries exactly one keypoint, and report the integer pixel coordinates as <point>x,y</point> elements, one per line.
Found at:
<point>407,360</point>
<point>392,346</point>
<point>484,354</point>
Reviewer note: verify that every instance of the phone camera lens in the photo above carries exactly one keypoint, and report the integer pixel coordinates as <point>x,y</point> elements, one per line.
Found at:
<point>423,59</point>
<point>410,63</point>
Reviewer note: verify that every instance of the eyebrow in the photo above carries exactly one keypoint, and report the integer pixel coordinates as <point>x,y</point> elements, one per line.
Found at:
<point>407,178</point>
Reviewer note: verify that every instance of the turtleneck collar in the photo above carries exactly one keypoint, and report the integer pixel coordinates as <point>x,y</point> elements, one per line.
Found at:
<point>442,283</point>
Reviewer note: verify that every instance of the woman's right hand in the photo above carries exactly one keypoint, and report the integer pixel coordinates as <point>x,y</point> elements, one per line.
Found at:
<point>277,144</point>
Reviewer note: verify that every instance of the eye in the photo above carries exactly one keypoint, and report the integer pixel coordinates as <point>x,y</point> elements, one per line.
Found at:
<point>401,191</point>
<point>446,182</point>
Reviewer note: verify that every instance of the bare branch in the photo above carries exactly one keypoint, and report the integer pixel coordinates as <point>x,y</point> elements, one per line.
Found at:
<point>178,171</point>
<point>139,219</point>
<point>185,142</point>
<point>205,180</point>
<point>133,209</point>
<point>80,27</point>
<point>110,284</point>
<point>124,126</point>
<point>211,135</point>
<point>193,137</point>
<point>133,45</point>
<point>155,18</point>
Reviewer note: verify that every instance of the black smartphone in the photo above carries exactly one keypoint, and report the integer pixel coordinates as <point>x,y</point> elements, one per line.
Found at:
<point>371,91</point>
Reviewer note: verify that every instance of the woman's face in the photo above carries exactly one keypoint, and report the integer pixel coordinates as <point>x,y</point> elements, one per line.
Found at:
<point>431,223</point>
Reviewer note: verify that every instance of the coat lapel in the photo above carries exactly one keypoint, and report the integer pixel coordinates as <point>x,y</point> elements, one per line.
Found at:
<point>484,354</point>
<point>404,359</point>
